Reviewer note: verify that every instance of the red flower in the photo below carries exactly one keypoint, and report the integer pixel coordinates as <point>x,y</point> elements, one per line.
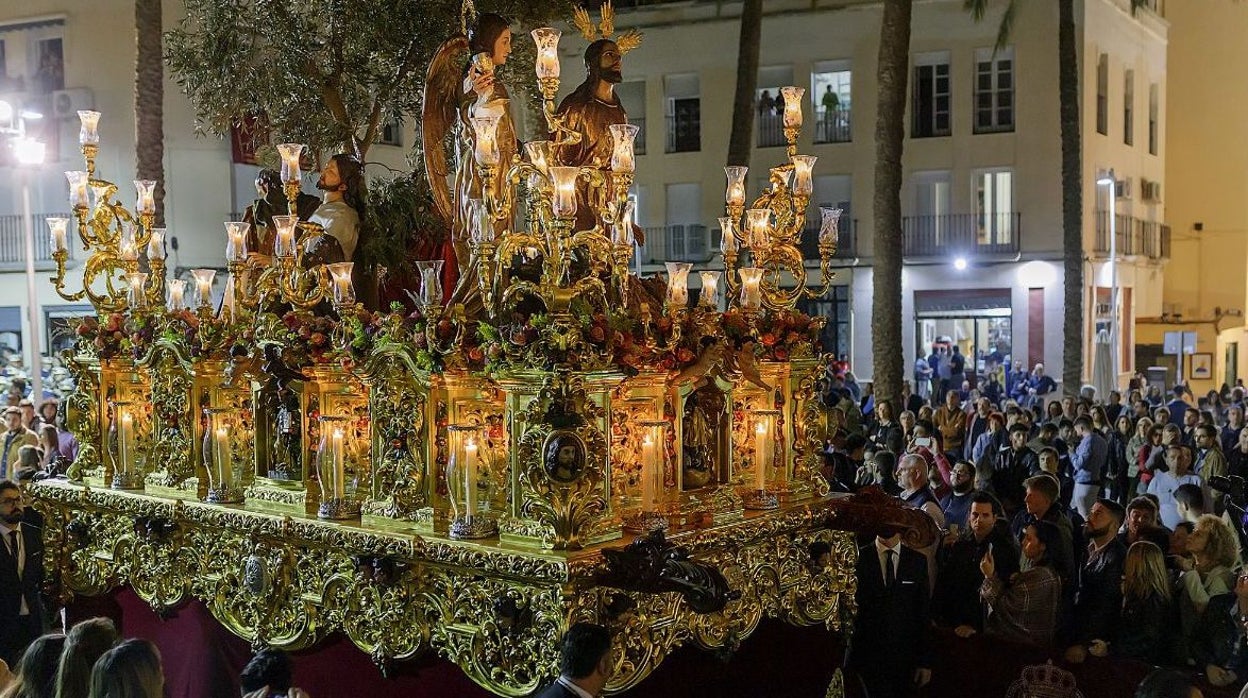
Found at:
<point>683,355</point>
<point>597,334</point>
<point>768,339</point>
<point>317,339</point>
<point>781,353</point>
<point>475,355</point>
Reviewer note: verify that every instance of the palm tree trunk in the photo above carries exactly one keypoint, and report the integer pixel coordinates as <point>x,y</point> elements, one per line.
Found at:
<point>1072,198</point>
<point>891,79</point>
<point>747,81</point>
<point>149,97</point>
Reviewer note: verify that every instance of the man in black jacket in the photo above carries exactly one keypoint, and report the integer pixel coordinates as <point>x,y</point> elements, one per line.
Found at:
<point>21,576</point>
<point>584,663</point>
<point>1098,599</point>
<point>890,644</point>
<point>956,601</point>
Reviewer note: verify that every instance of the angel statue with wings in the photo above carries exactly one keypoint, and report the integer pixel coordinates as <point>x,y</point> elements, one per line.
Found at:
<point>461,85</point>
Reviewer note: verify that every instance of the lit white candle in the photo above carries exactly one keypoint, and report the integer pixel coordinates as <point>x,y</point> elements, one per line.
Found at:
<point>58,226</point>
<point>751,287</point>
<point>124,430</point>
<point>622,159</point>
<point>137,295</point>
<point>734,194</point>
<point>291,168</point>
<point>177,289</point>
<point>622,232</point>
<point>337,461</point>
<point>236,241</point>
<point>485,147</point>
<point>564,202</point>
<point>728,236</point>
<point>649,490</point>
<point>547,40</point>
<point>803,168</point>
<point>762,453</point>
<point>224,460</point>
<point>156,244</point>
<point>344,291</point>
<point>127,247</point>
<point>829,227</point>
<point>793,106</point>
<point>284,241</point>
<point>758,227</point>
<point>203,286</point>
<point>710,290</point>
<point>88,132</point>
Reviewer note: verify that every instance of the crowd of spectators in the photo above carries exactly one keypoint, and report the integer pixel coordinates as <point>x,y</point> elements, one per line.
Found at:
<point>1092,527</point>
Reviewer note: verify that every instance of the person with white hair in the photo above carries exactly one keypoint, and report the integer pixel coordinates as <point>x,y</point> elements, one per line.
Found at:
<point>912,476</point>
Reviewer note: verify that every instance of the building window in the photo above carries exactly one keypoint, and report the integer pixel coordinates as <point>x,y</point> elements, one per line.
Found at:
<point>684,113</point>
<point>769,102</point>
<point>1153,106</point>
<point>834,307</point>
<point>391,132</point>
<point>632,95</point>
<point>994,90</point>
<point>1102,95</point>
<point>1128,107</point>
<point>994,207</point>
<point>830,91</point>
<point>931,95</point>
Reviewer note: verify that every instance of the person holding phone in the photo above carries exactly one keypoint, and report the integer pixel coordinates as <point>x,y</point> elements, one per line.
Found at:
<point>1024,608</point>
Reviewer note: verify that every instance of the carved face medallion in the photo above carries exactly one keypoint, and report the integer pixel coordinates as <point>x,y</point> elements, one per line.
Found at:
<point>564,456</point>
<point>255,575</point>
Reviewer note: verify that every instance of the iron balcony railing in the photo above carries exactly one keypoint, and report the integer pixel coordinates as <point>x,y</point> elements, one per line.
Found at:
<point>846,240</point>
<point>770,128</point>
<point>1135,237</point>
<point>832,126</point>
<point>684,135</point>
<point>13,238</point>
<point>678,243</point>
<point>960,234</point>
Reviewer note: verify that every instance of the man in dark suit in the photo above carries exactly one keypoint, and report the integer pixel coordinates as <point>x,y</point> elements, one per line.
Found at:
<point>890,644</point>
<point>1098,599</point>
<point>21,576</point>
<point>584,663</point>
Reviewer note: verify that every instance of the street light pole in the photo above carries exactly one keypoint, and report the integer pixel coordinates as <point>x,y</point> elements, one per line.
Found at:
<point>1111,181</point>
<point>30,154</point>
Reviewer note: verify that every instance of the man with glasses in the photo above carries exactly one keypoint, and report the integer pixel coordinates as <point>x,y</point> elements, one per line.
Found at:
<point>21,576</point>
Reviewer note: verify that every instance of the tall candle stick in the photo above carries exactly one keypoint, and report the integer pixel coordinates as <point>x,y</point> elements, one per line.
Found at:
<point>762,454</point>
<point>224,462</point>
<point>57,226</point>
<point>647,472</point>
<point>470,477</point>
<point>156,244</point>
<point>337,461</point>
<point>177,289</point>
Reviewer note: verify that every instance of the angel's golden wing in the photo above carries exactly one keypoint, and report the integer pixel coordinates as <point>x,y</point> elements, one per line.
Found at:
<point>439,113</point>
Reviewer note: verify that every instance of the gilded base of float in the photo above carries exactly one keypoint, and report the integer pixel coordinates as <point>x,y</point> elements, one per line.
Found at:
<point>494,610</point>
<point>645,522</point>
<point>760,500</point>
<point>126,481</point>
<point>280,496</point>
<point>224,495</point>
<point>475,528</point>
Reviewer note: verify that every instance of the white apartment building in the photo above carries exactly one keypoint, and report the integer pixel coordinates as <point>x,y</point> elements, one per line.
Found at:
<point>982,194</point>
<point>982,155</point>
<point>59,56</point>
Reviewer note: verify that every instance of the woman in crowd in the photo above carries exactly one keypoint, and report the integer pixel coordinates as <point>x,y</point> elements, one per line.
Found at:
<point>1100,421</point>
<point>1119,471</point>
<point>36,672</point>
<point>86,643</point>
<point>1139,442</point>
<point>129,670</point>
<point>1145,607</point>
<point>1025,609</point>
<point>1054,412</point>
<point>1215,556</point>
<point>50,444</point>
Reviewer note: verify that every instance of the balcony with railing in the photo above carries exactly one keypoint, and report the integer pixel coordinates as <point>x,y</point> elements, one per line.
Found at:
<point>1135,237</point>
<point>961,234</point>
<point>832,126</point>
<point>770,130</point>
<point>684,134</point>
<point>846,240</point>
<point>678,243</point>
<point>13,241</point>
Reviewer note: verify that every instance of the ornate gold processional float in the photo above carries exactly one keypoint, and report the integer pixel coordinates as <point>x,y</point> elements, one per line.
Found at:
<point>567,443</point>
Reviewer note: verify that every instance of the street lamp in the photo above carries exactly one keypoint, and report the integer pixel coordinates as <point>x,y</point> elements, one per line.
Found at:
<point>1111,183</point>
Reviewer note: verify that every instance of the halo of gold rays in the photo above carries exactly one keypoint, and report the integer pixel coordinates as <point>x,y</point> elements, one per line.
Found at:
<point>605,28</point>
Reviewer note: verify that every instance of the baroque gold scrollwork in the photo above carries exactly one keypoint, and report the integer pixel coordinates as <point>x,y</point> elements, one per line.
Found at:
<point>172,427</point>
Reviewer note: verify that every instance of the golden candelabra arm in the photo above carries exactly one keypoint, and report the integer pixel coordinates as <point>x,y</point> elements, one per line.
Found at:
<point>560,134</point>
<point>434,315</point>
<point>302,288</point>
<point>89,151</point>
<point>155,290</point>
<point>58,281</point>
<point>647,329</point>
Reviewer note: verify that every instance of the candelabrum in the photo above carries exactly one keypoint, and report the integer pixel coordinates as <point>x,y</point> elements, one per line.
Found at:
<point>108,234</point>
<point>771,229</point>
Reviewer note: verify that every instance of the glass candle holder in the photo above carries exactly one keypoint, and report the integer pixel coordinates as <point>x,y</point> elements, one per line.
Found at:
<point>758,228</point>
<point>540,155</point>
<point>803,172</point>
<point>751,288</point>
<point>99,196</point>
<point>792,106</point>
<point>89,124</point>
<point>136,295</point>
<point>481,223</point>
<point>335,470</point>
<point>485,145</point>
<point>678,284</point>
<point>156,244</point>
<point>728,243</point>
<point>340,277</point>
<point>622,231</point>
<point>58,227</point>
<point>145,196</point>
<point>709,296</point>
<point>175,300</point>
<point>236,241</point>
<point>547,40</point>
<point>734,194</point>
<point>127,246</point>
<point>79,186</point>
<point>764,446</point>
<point>829,225</point>
<point>430,282</point>
<point>622,159</point>
<point>126,475</point>
<point>284,238</point>
<point>291,168</point>
<point>653,457</point>
<point>224,479</point>
<point>203,286</point>
<point>564,180</point>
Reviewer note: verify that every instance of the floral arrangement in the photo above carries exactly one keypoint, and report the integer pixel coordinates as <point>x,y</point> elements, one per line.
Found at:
<point>107,338</point>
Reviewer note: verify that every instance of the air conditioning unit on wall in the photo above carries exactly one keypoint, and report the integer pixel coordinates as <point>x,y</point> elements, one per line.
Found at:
<point>1150,191</point>
<point>1122,188</point>
<point>67,103</point>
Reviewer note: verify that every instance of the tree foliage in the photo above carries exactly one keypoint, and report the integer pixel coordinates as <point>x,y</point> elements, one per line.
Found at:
<point>329,73</point>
